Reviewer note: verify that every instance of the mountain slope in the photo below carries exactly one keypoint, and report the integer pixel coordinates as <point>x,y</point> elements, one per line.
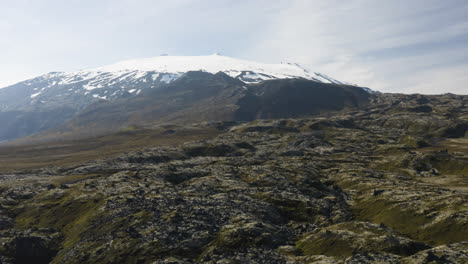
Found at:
<point>289,98</point>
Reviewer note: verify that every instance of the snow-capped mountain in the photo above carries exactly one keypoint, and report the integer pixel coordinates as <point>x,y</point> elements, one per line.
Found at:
<point>130,77</point>
<point>43,102</point>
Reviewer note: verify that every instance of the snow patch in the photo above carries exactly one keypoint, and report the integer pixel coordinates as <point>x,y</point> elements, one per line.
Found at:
<point>100,97</point>
<point>89,87</point>
<point>154,76</point>
<point>35,95</point>
<point>167,78</point>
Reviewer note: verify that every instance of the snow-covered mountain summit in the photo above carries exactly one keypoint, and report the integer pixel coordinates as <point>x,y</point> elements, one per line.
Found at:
<point>247,71</point>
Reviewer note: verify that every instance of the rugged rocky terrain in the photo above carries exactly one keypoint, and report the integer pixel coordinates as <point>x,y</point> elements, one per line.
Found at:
<point>383,183</point>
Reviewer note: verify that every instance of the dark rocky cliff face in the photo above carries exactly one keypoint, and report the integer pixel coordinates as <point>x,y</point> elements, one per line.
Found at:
<point>378,184</point>
<point>297,98</point>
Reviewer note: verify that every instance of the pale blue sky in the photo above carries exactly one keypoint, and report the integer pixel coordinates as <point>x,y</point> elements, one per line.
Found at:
<point>394,46</point>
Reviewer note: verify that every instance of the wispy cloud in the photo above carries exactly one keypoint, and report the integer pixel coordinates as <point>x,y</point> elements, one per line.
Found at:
<point>387,45</point>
